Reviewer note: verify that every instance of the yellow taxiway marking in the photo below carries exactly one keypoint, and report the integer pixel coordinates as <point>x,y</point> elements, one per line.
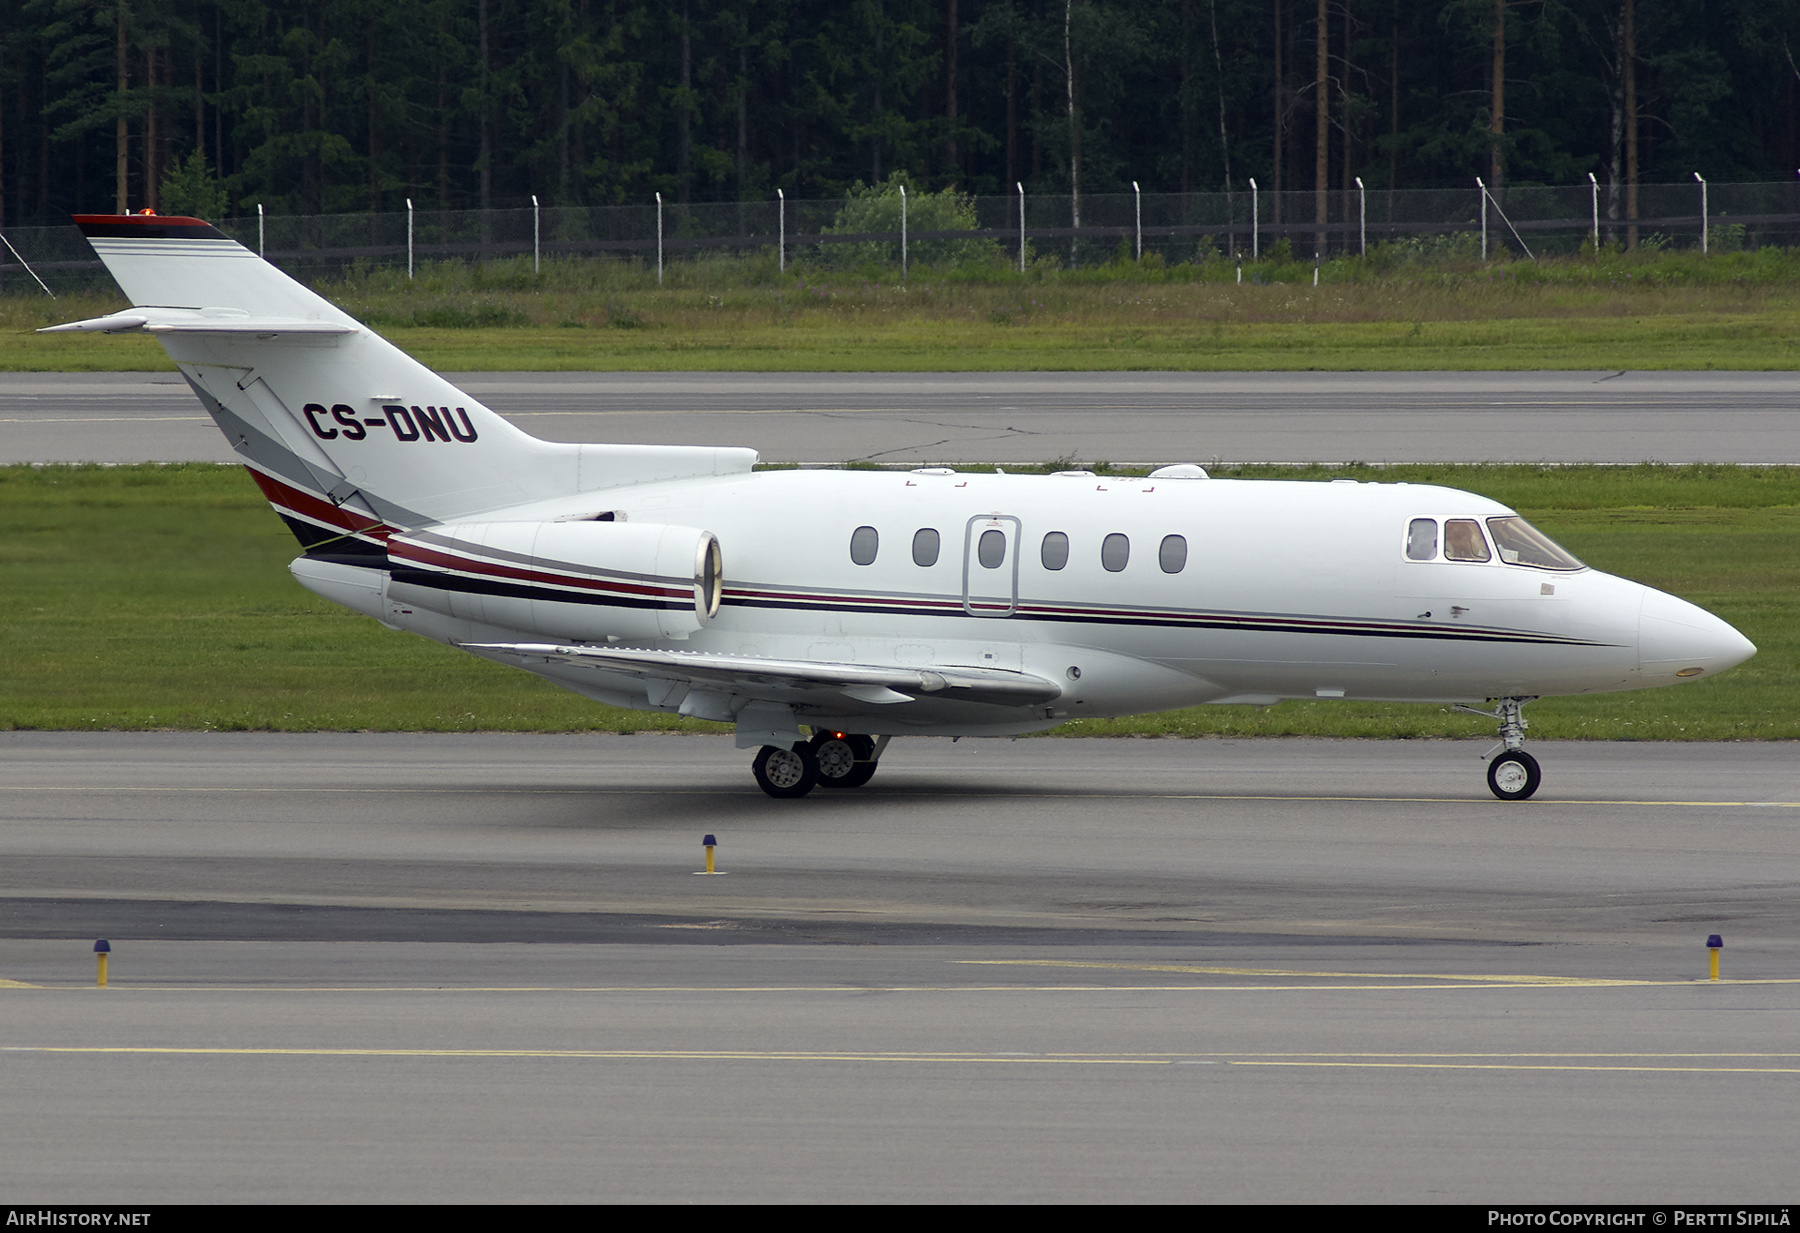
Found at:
<point>1452,980</point>
<point>1387,983</point>
<point>1484,978</point>
<point>1676,1063</point>
<point>503,790</point>
<point>1523,983</point>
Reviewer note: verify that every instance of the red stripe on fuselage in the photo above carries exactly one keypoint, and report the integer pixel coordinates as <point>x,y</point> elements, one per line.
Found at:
<point>285,496</point>
<point>409,550</point>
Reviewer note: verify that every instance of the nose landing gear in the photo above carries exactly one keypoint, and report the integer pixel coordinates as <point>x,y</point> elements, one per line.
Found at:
<point>1514,775</point>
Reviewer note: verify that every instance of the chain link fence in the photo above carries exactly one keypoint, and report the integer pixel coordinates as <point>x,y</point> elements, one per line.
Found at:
<point>1177,227</point>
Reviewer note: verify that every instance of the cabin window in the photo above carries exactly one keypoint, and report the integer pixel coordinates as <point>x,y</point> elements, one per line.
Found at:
<point>1115,552</point>
<point>1463,540</point>
<point>990,550</point>
<point>1056,550</point>
<point>925,546</point>
<point>1172,556</point>
<point>1421,539</point>
<point>864,543</point>
<point>1520,543</point>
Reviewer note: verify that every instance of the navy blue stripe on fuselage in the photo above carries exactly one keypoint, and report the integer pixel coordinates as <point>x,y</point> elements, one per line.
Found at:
<point>951,606</point>
<point>464,584</point>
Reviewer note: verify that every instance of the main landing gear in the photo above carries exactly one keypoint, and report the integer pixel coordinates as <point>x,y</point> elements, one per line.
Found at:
<point>1514,775</point>
<point>829,760</point>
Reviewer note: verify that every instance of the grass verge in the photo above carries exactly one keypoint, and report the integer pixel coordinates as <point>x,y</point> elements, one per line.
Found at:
<point>149,597</point>
<point>1607,311</point>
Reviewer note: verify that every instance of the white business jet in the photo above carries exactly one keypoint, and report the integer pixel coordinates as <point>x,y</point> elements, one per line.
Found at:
<point>865,605</point>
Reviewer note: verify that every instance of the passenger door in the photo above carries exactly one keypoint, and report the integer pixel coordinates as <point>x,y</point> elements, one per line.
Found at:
<point>991,565</point>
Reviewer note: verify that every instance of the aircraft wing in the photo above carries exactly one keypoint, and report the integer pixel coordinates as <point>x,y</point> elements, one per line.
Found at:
<point>754,675</point>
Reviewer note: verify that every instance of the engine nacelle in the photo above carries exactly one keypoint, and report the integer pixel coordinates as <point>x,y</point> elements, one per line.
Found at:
<point>577,581</point>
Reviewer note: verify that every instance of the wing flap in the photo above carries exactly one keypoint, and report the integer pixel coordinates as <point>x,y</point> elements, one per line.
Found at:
<point>870,683</point>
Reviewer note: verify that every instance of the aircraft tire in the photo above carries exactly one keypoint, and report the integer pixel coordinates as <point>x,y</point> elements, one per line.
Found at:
<point>843,762</point>
<point>785,774</point>
<point>864,772</point>
<point>1514,776</point>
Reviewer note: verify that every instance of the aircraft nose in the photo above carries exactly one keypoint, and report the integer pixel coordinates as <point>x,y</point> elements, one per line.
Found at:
<point>1679,641</point>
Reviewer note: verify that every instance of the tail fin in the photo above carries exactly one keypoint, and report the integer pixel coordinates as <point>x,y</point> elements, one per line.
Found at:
<point>349,437</point>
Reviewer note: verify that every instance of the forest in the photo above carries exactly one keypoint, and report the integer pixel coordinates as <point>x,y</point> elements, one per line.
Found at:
<point>328,106</point>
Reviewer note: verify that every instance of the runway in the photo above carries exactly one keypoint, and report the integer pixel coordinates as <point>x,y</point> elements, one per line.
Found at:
<point>1020,418</point>
<point>417,968</point>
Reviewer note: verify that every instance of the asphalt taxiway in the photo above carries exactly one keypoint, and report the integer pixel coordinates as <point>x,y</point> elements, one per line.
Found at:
<point>415,968</point>
<point>1019,418</point>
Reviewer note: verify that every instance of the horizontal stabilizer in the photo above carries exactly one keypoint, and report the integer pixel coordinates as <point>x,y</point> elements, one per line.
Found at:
<point>746,673</point>
<point>198,321</point>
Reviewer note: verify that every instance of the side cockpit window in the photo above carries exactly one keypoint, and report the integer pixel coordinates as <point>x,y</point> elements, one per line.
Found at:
<point>1463,540</point>
<point>1457,539</point>
<point>1421,539</point>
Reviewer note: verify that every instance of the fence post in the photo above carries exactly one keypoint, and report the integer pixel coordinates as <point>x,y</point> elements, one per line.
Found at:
<point>1484,201</point>
<point>409,239</point>
<point>1594,189</point>
<point>1255,228</point>
<point>781,208</point>
<point>1362,215</point>
<point>260,250</point>
<point>1702,180</point>
<point>1138,203</point>
<point>1021,185</point>
<point>903,233</point>
<point>536,265</point>
<point>659,239</point>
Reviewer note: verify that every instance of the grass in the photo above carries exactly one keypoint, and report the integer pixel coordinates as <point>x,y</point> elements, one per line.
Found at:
<point>1400,309</point>
<point>149,597</point>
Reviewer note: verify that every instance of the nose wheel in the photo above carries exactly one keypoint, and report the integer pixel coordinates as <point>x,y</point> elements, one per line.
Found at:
<point>1514,775</point>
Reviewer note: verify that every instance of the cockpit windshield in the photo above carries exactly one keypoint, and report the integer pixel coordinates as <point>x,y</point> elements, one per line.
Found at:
<point>1520,543</point>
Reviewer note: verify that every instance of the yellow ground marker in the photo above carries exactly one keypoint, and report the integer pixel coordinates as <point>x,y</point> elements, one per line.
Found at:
<point>709,843</point>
